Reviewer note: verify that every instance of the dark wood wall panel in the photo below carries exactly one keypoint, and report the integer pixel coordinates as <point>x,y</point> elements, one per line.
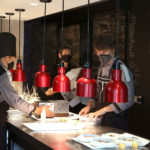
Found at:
<point>34,48</point>
<point>72,41</point>
<point>139,62</point>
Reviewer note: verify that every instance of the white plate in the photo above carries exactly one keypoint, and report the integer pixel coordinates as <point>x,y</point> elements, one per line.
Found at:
<point>128,139</point>
<point>103,143</point>
<point>54,126</point>
<point>71,116</point>
<point>110,135</point>
<point>94,145</point>
<point>14,114</point>
<point>87,137</point>
<point>14,111</point>
<point>115,140</point>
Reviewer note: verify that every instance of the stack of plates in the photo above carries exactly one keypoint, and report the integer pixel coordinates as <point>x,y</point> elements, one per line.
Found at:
<point>110,140</point>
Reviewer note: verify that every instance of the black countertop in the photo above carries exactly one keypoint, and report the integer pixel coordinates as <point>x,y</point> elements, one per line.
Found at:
<point>58,140</point>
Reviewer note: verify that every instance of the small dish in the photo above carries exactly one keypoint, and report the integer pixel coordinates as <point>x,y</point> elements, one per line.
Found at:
<point>110,135</point>
<point>103,143</point>
<point>87,138</point>
<point>128,140</point>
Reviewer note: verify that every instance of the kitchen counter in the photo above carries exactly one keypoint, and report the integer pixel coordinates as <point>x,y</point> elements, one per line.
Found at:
<point>47,140</point>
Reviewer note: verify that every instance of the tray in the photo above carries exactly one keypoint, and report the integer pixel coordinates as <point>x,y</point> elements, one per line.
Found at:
<point>111,140</point>
<point>55,126</point>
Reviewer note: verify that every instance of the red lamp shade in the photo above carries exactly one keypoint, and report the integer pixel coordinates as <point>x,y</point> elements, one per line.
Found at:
<point>116,91</point>
<point>19,74</point>
<point>86,87</point>
<point>61,82</point>
<point>42,78</point>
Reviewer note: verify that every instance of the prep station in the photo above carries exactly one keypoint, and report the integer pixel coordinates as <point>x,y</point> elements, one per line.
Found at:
<point>74,74</point>
<point>63,137</point>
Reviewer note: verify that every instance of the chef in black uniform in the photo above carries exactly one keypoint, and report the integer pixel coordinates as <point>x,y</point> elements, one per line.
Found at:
<point>112,114</point>
<point>8,95</point>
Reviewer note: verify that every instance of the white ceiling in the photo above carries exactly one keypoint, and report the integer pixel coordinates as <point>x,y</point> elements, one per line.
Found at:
<point>38,11</point>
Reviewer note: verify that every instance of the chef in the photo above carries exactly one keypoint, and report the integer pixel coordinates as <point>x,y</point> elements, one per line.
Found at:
<point>8,96</point>
<point>76,103</point>
<point>112,114</point>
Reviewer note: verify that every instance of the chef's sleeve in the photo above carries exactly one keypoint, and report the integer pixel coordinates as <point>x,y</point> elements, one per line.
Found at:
<point>11,96</point>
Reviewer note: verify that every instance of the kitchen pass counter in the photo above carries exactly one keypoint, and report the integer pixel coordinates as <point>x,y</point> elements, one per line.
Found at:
<point>47,140</point>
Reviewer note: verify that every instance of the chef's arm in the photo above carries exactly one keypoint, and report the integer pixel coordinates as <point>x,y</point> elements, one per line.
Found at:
<point>91,103</point>
<point>12,97</point>
<point>119,107</point>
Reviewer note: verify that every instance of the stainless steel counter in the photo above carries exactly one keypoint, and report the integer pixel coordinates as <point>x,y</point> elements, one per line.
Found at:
<point>61,140</point>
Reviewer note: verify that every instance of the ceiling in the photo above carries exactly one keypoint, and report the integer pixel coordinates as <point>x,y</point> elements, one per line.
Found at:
<point>35,9</point>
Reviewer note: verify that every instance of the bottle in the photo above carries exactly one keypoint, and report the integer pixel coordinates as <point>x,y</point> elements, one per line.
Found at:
<point>43,116</point>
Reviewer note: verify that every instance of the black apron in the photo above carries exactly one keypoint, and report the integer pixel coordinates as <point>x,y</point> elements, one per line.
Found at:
<point>111,118</point>
<point>3,117</point>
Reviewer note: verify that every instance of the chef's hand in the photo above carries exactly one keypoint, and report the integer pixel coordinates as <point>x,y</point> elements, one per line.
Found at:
<point>38,111</point>
<point>85,110</point>
<point>99,113</point>
<point>50,92</point>
<point>95,115</point>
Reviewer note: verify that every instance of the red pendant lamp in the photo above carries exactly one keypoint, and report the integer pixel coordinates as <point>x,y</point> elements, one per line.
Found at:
<point>61,82</point>
<point>42,78</point>
<point>86,86</point>
<point>19,73</point>
<point>10,14</point>
<point>116,91</point>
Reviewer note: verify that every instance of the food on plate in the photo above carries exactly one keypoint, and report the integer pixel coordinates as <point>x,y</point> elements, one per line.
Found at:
<point>110,135</point>
<point>121,146</point>
<point>102,141</point>
<point>134,144</point>
<point>128,139</point>
<point>113,134</point>
<point>63,120</point>
<point>76,122</point>
<point>112,140</point>
<point>87,137</point>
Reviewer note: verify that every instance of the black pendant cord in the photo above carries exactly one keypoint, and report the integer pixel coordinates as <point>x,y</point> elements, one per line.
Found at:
<point>1,24</point>
<point>19,31</point>
<point>9,14</point>
<point>88,32</point>
<point>9,24</point>
<point>2,17</point>
<point>62,31</point>
<point>19,10</point>
<point>117,35</point>
<point>127,37</point>
<point>44,28</point>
